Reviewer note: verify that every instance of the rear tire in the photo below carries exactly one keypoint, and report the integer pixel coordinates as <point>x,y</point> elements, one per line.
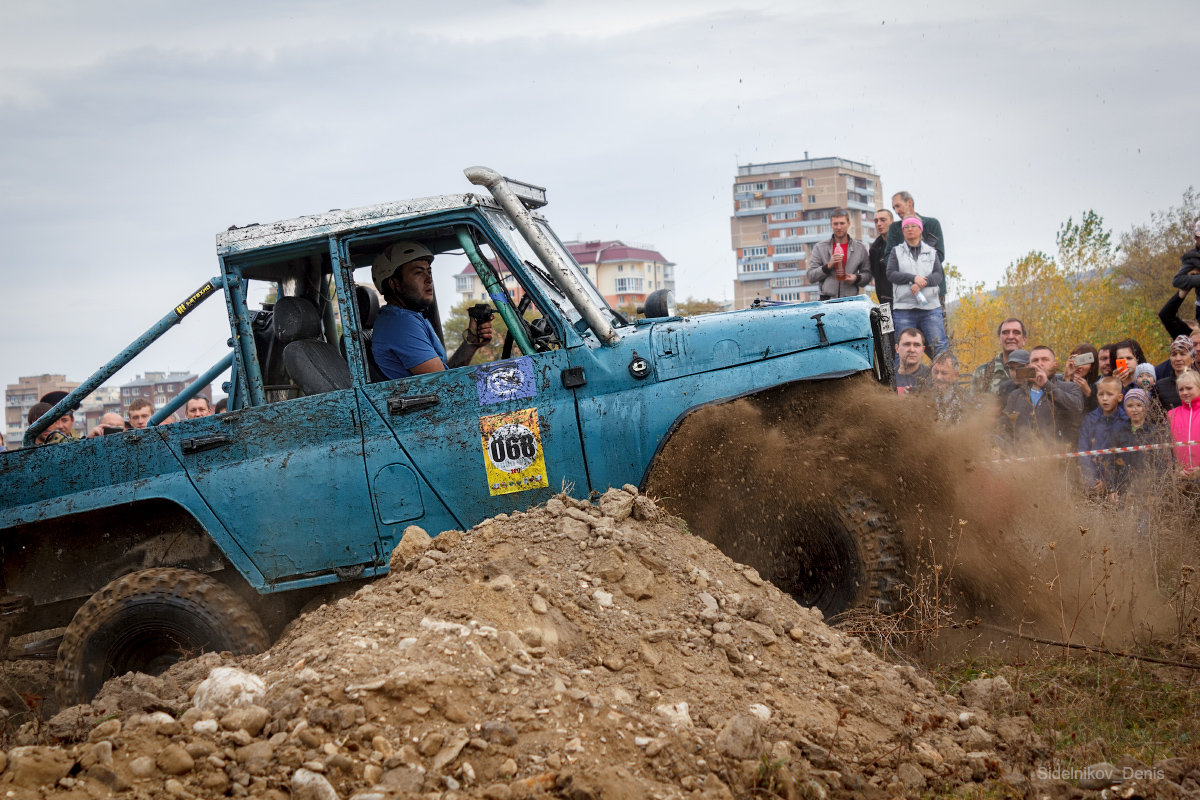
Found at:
<point>145,622</point>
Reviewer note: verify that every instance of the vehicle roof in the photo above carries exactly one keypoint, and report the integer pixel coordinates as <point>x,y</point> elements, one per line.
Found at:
<point>260,236</point>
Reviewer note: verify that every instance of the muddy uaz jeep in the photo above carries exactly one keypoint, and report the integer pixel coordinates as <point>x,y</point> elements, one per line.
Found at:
<point>211,533</point>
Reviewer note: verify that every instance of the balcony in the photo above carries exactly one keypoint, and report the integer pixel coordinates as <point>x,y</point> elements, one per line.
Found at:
<point>808,238</point>
<point>751,212</point>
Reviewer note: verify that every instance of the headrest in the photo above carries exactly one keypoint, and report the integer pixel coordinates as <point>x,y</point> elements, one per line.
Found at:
<point>368,305</point>
<point>296,319</point>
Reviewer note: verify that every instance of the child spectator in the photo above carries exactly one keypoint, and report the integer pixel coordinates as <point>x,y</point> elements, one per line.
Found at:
<point>1185,424</point>
<point>1103,428</point>
<point>1145,378</point>
<point>1144,464</point>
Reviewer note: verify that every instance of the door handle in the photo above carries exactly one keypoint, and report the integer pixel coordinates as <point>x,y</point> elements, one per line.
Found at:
<point>195,444</point>
<point>411,402</point>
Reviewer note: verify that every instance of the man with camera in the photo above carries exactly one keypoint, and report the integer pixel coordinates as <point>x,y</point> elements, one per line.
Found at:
<point>404,342</point>
<point>1041,404</point>
<point>111,422</point>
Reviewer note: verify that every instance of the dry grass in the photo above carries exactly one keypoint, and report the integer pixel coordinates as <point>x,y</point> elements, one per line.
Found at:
<point>1091,706</point>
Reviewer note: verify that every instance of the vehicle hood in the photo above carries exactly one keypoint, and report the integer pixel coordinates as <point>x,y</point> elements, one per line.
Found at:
<point>689,345</point>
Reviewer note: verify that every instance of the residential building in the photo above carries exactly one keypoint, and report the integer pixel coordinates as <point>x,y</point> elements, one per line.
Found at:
<point>159,388</point>
<point>624,272</point>
<point>781,209</point>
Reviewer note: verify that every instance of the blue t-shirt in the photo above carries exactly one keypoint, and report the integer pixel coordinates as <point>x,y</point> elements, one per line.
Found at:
<point>402,339</point>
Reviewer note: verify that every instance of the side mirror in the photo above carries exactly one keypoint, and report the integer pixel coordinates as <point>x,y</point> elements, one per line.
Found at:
<point>659,304</point>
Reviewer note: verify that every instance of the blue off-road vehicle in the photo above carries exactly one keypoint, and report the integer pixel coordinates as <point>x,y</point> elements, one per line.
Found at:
<point>212,533</point>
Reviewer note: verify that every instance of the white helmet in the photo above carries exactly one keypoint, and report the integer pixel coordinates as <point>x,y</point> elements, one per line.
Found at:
<point>395,256</point>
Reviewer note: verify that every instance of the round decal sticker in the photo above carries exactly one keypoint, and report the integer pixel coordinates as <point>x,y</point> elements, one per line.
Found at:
<point>505,382</point>
<point>512,447</point>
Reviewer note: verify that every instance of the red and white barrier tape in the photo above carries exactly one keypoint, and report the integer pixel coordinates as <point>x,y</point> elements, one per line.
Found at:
<point>1108,451</point>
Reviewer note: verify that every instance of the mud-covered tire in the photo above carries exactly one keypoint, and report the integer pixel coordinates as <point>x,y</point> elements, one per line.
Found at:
<point>146,621</point>
<point>852,558</point>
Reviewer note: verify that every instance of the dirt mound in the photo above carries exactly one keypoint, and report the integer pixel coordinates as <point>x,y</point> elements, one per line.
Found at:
<point>574,650</point>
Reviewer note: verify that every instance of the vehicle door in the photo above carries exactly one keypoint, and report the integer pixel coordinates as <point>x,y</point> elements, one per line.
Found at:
<point>489,439</point>
<point>287,480</point>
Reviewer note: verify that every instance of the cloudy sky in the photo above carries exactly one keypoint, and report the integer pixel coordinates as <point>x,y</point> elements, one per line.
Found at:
<point>132,131</point>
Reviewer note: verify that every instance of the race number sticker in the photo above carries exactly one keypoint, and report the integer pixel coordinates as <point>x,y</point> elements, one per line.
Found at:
<point>512,452</point>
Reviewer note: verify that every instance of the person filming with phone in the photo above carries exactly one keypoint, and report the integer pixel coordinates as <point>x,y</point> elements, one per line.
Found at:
<point>1041,406</point>
<point>1083,371</point>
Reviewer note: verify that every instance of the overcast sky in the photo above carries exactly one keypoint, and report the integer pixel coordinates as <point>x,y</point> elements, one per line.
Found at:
<point>131,132</point>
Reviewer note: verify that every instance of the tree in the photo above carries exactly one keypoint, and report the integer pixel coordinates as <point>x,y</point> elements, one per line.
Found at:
<point>1078,296</point>
<point>1150,253</point>
<point>1086,246</point>
<point>694,308</point>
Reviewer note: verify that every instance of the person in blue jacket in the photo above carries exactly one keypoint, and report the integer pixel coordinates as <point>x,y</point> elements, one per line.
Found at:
<point>1104,428</point>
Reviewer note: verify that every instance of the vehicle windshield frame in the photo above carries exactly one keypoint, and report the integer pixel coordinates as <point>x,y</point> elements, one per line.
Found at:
<point>540,274</point>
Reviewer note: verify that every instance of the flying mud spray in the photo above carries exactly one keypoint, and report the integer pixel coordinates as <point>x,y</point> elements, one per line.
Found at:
<point>850,497</point>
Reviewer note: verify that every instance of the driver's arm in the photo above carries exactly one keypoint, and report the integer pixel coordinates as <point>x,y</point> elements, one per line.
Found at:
<point>432,365</point>
<point>481,333</point>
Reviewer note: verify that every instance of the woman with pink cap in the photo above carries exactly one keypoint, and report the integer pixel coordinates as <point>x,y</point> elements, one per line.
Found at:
<point>915,271</point>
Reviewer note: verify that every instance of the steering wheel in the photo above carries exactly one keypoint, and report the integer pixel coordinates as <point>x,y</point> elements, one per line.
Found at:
<point>539,330</point>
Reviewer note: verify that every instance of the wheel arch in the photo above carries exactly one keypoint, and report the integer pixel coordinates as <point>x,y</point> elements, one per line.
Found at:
<point>41,559</point>
<point>689,412</point>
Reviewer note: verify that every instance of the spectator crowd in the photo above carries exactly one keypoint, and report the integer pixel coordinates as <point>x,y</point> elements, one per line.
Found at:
<point>1107,398</point>
<point>137,415</point>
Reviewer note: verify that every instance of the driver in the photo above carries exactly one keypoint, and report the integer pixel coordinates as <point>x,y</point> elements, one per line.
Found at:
<point>404,342</point>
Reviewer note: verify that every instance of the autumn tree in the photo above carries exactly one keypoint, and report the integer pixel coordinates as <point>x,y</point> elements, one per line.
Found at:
<point>1077,296</point>
<point>1150,253</point>
<point>694,308</point>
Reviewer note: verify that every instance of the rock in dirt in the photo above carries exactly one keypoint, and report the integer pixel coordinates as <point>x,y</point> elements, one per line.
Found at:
<point>308,785</point>
<point>174,760</point>
<point>990,694</point>
<point>740,738</point>
<point>34,766</point>
<point>414,542</point>
<point>228,687</point>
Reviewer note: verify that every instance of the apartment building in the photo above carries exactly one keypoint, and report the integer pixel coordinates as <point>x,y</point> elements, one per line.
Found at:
<point>781,209</point>
<point>624,272</point>
<point>159,387</point>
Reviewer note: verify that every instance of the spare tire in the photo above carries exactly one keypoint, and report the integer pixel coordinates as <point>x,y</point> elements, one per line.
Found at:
<point>145,622</point>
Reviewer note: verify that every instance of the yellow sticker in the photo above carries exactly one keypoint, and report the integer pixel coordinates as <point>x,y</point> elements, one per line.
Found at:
<point>186,306</point>
<point>512,452</point>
